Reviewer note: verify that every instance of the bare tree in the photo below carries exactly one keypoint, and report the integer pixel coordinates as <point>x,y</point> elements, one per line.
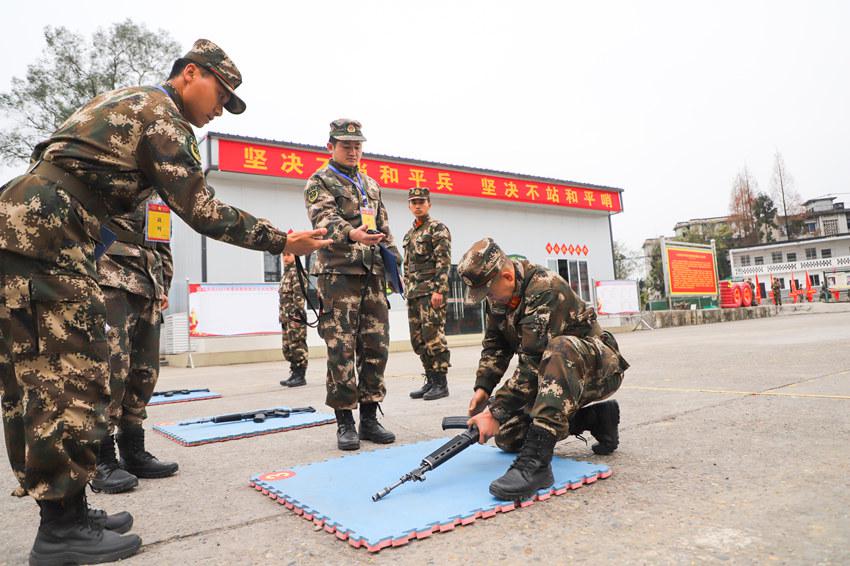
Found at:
<point>625,261</point>
<point>784,194</point>
<point>72,71</point>
<point>742,215</point>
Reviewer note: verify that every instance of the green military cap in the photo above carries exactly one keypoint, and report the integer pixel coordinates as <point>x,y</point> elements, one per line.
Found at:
<point>213,58</point>
<point>418,192</point>
<point>478,267</point>
<point>344,129</point>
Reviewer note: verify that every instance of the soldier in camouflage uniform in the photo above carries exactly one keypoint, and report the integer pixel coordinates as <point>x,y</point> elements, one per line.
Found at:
<point>427,261</point>
<point>354,321</point>
<point>565,363</point>
<point>135,276</point>
<point>292,321</point>
<point>104,160</point>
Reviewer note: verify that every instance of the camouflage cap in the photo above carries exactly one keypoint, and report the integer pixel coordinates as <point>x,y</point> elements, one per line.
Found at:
<point>418,192</point>
<point>213,58</point>
<point>478,267</point>
<point>344,129</point>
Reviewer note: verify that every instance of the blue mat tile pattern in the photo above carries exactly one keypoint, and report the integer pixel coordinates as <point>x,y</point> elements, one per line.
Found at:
<point>336,494</point>
<point>196,396</point>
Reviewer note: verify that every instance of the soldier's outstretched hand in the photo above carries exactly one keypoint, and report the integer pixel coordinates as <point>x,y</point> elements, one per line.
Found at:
<point>360,234</point>
<point>306,242</point>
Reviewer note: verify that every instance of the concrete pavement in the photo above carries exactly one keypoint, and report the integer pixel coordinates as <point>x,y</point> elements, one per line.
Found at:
<point>734,448</point>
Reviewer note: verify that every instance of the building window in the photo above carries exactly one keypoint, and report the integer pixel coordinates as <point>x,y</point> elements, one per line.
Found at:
<point>792,256</point>
<point>574,273</point>
<point>811,253</point>
<point>461,318</point>
<point>830,227</point>
<point>848,221</point>
<point>810,227</point>
<point>759,260</point>
<point>816,280</point>
<point>745,260</point>
<point>271,268</point>
<point>776,257</point>
<point>826,252</point>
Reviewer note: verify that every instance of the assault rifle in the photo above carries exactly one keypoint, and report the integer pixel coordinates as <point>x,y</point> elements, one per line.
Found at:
<point>442,454</point>
<point>173,392</point>
<point>256,416</point>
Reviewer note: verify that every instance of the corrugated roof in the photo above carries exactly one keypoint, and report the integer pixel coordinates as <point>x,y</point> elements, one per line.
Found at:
<point>416,161</point>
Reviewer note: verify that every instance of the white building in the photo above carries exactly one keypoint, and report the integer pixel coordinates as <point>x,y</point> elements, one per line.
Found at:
<point>560,224</point>
<point>821,257</point>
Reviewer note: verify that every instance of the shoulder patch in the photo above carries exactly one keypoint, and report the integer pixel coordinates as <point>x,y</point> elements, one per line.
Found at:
<point>193,148</point>
<point>313,194</point>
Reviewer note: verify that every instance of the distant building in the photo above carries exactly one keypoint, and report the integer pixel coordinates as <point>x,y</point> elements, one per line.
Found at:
<point>704,227</point>
<point>823,217</point>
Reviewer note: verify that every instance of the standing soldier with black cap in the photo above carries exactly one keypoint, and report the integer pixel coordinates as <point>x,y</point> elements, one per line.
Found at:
<point>104,161</point>
<point>427,261</point>
<point>566,361</point>
<point>354,321</point>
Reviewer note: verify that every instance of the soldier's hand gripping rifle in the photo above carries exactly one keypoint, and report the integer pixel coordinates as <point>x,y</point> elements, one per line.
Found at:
<point>174,392</point>
<point>256,416</point>
<point>442,454</point>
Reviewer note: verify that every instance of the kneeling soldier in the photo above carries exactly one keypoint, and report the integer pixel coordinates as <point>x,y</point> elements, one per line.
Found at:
<point>427,261</point>
<point>565,363</point>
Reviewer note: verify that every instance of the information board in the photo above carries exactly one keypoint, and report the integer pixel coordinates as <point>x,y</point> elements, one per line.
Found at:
<point>617,297</point>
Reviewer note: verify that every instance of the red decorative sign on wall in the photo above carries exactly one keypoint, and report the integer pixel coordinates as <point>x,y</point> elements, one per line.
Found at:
<point>564,249</point>
<point>279,161</point>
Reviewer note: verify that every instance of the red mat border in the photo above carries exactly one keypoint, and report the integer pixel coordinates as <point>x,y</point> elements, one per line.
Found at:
<point>442,528</point>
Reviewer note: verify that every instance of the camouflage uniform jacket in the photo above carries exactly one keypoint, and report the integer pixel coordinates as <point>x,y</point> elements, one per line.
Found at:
<point>123,145</point>
<point>291,298</point>
<point>140,270</point>
<point>334,203</point>
<point>427,258</point>
<point>548,307</point>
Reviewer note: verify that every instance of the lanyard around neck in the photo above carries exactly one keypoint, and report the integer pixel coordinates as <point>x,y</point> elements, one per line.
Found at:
<point>356,182</point>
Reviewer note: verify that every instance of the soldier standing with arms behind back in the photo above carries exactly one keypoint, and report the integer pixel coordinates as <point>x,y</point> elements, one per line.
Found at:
<point>104,161</point>
<point>292,321</point>
<point>135,276</point>
<point>566,361</point>
<point>354,321</point>
<point>427,261</point>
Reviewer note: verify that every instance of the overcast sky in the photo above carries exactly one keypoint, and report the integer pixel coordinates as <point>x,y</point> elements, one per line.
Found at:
<point>667,100</point>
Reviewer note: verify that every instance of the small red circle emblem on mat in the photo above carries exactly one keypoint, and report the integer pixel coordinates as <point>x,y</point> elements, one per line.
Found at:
<point>275,476</point>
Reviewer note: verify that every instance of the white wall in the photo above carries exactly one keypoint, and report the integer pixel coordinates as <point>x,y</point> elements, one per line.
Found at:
<point>517,228</point>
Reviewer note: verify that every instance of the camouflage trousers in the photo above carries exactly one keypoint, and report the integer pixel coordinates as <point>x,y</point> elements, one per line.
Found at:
<point>354,324</point>
<point>573,372</point>
<point>55,391</point>
<point>428,333</point>
<point>294,343</point>
<point>133,355</point>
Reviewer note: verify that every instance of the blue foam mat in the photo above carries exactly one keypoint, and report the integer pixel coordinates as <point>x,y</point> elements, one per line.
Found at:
<point>196,396</point>
<point>336,494</point>
<point>204,433</point>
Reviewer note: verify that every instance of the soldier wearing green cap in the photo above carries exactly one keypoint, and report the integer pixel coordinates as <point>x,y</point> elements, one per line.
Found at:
<point>103,161</point>
<point>427,261</point>
<point>566,362</point>
<point>354,321</point>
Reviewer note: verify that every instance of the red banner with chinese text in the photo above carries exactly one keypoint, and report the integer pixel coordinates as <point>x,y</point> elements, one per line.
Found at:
<point>691,271</point>
<point>275,161</point>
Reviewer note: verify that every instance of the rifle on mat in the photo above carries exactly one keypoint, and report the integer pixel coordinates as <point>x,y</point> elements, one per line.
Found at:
<point>174,392</point>
<point>442,454</point>
<point>256,416</point>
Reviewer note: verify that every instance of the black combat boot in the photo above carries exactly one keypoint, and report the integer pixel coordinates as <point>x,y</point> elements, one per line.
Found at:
<point>419,393</point>
<point>346,431</point>
<point>110,478</point>
<point>136,460</point>
<point>602,420</point>
<point>297,378</point>
<point>370,428</point>
<point>66,535</point>
<point>532,469</point>
<point>120,522</point>
<point>439,387</point>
